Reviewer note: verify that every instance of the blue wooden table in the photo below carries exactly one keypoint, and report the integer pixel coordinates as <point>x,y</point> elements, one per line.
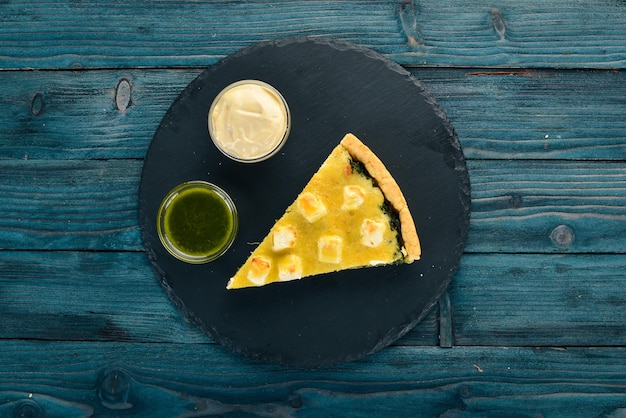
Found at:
<point>534,323</point>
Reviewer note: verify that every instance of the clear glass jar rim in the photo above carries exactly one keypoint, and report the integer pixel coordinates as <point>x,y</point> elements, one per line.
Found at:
<point>271,152</point>
<point>166,202</point>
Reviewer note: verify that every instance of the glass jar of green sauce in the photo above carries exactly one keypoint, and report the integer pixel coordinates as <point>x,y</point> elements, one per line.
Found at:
<point>197,222</point>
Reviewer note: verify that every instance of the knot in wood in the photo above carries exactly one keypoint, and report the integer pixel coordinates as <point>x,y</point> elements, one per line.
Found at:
<point>114,389</point>
<point>465,391</point>
<point>123,94</point>
<point>408,20</point>
<point>27,409</point>
<point>562,236</point>
<point>37,104</point>
<point>295,402</point>
<point>497,20</point>
<point>516,201</point>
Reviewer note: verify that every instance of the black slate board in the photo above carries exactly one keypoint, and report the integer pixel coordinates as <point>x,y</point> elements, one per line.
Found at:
<point>332,88</point>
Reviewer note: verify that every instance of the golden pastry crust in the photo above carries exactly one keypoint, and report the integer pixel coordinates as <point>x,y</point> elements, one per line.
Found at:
<point>375,167</point>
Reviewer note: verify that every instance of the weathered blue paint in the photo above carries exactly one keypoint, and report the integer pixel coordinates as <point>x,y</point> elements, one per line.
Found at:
<point>86,330</point>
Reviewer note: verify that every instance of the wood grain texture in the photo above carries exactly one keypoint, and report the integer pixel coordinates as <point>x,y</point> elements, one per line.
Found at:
<point>517,206</point>
<point>534,316</point>
<point>76,379</point>
<point>75,115</point>
<point>106,296</point>
<point>494,300</point>
<point>540,300</point>
<point>547,206</point>
<point>534,114</point>
<point>539,114</point>
<point>70,204</point>
<point>113,34</point>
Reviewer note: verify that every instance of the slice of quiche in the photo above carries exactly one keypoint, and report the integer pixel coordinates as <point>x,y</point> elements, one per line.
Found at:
<point>351,214</point>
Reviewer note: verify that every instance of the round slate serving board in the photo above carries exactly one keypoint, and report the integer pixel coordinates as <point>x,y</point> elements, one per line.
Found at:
<point>332,88</point>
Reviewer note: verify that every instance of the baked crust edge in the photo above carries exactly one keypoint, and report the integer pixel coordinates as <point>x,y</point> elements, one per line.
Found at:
<point>391,190</point>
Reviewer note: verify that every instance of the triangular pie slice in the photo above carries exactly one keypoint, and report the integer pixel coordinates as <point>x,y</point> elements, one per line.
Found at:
<point>351,214</point>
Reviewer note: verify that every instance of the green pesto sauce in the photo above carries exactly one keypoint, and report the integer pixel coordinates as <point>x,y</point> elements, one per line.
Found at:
<point>198,222</point>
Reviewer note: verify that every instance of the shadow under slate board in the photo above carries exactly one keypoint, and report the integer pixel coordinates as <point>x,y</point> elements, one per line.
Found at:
<point>332,88</point>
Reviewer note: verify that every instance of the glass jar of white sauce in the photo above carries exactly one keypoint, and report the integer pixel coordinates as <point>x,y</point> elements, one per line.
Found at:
<point>249,121</point>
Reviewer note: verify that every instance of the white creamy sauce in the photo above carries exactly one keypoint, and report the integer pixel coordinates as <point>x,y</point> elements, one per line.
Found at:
<point>249,120</point>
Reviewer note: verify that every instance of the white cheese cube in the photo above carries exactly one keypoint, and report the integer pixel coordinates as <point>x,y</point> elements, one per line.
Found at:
<point>284,237</point>
<point>310,206</point>
<point>259,269</point>
<point>372,233</point>
<point>329,249</point>
<point>289,268</point>
<point>353,197</point>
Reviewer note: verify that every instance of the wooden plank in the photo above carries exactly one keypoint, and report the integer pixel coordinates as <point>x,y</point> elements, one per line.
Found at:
<point>533,34</point>
<point>106,296</point>
<point>83,379</point>
<point>495,299</point>
<point>547,206</point>
<point>113,34</point>
<point>70,205</point>
<point>517,206</point>
<point>534,114</point>
<point>81,115</point>
<point>539,300</point>
<point>497,114</point>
